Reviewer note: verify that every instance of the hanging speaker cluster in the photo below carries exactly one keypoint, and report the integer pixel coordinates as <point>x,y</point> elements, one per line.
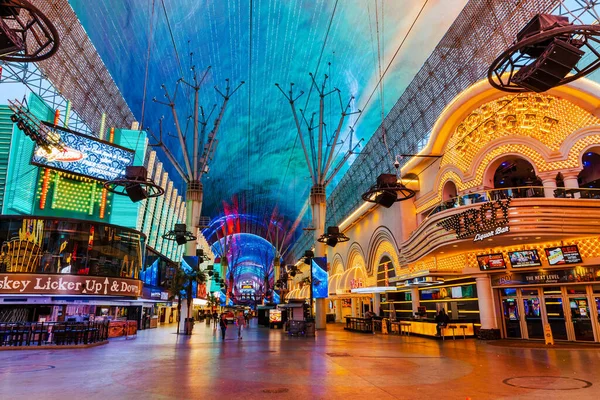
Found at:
<point>135,184</point>
<point>333,236</point>
<point>26,34</point>
<point>387,190</point>
<point>180,235</point>
<point>548,52</point>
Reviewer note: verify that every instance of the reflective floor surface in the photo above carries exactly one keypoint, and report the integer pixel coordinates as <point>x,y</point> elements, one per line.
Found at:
<point>266,364</point>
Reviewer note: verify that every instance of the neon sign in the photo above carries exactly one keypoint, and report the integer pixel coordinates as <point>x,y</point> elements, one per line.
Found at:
<point>85,156</point>
<point>488,220</point>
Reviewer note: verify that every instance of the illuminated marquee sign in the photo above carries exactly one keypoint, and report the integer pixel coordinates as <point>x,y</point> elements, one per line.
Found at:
<point>489,220</point>
<point>56,284</point>
<point>85,156</point>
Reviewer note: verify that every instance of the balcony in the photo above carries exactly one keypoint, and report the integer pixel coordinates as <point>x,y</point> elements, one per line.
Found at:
<point>570,213</point>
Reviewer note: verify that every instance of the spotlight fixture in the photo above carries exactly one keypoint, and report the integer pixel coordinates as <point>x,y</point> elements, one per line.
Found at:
<point>135,184</point>
<point>548,52</point>
<point>333,236</point>
<point>179,235</point>
<point>387,191</point>
<point>26,34</point>
<point>40,132</point>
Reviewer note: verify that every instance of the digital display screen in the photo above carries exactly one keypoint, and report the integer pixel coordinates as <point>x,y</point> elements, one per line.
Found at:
<point>85,155</point>
<point>489,262</point>
<point>563,255</point>
<point>524,258</point>
<point>319,282</point>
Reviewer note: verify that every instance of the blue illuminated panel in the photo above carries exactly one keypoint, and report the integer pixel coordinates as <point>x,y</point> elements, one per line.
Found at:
<point>85,156</point>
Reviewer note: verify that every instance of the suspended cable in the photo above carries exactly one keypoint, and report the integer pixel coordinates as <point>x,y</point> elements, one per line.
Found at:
<point>310,90</point>
<point>249,104</point>
<point>150,37</point>
<point>391,61</point>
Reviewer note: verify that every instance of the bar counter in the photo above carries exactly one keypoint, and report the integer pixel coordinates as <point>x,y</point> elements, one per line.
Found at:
<point>428,328</point>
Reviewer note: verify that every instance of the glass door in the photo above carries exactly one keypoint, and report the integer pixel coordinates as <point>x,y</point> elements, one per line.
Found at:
<point>555,312</point>
<point>581,318</point>
<point>532,313</point>
<point>512,321</point>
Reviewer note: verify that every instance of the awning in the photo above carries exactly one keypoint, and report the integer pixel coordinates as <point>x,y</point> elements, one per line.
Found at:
<point>332,283</point>
<point>351,279</point>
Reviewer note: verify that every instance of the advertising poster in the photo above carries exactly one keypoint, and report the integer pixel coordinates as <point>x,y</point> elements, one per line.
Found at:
<point>489,262</point>
<point>274,316</point>
<point>524,258</point>
<point>86,156</point>
<point>563,255</point>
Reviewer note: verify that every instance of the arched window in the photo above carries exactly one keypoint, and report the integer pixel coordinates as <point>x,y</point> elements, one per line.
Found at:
<point>385,271</point>
<point>516,176</point>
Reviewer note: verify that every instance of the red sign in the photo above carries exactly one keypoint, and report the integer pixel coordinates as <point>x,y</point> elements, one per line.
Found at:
<point>57,284</point>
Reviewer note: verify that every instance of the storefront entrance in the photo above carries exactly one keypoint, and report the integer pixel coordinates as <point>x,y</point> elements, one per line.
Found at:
<point>571,312</point>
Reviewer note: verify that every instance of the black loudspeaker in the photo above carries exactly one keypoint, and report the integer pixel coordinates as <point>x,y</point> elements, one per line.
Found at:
<point>10,42</point>
<point>136,192</point>
<point>332,241</point>
<point>333,230</point>
<point>180,239</point>
<point>538,24</point>
<point>386,198</point>
<point>550,68</point>
<point>180,229</point>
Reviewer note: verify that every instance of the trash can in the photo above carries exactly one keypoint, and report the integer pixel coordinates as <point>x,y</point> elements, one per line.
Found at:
<point>310,328</point>
<point>189,325</point>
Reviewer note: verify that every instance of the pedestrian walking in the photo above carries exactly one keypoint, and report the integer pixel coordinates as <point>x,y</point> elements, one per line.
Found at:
<point>223,324</point>
<point>241,323</point>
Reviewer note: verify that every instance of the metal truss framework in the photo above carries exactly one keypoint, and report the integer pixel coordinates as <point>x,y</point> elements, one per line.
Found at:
<point>31,76</point>
<point>78,73</point>
<point>481,32</point>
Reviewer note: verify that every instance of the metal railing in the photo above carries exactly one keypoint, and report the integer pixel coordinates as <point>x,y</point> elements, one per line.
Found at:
<point>518,192</point>
<point>52,333</point>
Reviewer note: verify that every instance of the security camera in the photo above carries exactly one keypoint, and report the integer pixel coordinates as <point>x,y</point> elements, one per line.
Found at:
<point>397,164</point>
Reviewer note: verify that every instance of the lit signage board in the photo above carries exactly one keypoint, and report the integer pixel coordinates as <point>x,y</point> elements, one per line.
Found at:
<point>53,284</point>
<point>563,255</point>
<point>85,155</point>
<point>490,219</point>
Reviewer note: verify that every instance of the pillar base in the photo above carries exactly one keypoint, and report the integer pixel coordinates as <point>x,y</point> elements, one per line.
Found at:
<point>489,334</point>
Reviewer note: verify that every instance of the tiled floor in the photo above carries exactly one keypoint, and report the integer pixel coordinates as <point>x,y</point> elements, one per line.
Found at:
<point>266,364</point>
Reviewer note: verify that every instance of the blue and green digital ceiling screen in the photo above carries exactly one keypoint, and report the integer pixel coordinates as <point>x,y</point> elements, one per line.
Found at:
<point>262,42</point>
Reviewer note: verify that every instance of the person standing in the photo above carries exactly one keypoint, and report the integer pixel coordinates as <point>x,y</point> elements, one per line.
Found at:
<point>223,325</point>
<point>241,323</point>
<point>215,316</point>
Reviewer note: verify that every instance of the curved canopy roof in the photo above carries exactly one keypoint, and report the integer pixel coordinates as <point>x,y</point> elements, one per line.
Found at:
<point>258,158</point>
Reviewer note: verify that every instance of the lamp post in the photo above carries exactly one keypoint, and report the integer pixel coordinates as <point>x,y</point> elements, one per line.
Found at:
<point>320,160</point>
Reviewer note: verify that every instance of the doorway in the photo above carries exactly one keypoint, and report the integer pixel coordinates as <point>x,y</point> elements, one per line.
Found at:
<point>572,312</point>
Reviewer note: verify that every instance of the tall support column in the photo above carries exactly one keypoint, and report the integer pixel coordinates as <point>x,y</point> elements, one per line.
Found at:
<point>338,311</point>
<point>192,219</point>
<point>353,305</point>
<point>487,312</point>
<point>193,210</point>
<point>318,204</point>
<point>376,303</point>
<point>416,302</point>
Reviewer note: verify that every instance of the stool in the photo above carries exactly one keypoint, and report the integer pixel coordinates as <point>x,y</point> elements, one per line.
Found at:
<point>453,327</point>
<point>463,327</point>
<point>406,325</point>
